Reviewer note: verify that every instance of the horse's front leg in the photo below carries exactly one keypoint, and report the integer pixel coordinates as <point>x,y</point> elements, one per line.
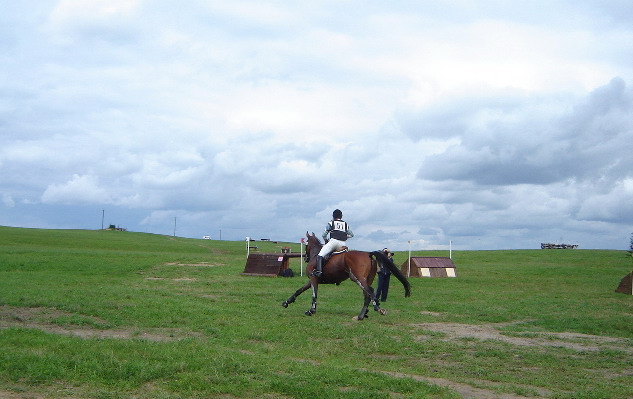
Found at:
<point>295,295</point>
<point>315,291</point>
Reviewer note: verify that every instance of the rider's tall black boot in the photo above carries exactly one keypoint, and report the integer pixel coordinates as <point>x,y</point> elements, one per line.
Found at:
<point>319,267</point>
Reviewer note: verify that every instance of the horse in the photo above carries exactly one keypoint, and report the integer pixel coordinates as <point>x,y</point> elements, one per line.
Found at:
<point>359,266</point>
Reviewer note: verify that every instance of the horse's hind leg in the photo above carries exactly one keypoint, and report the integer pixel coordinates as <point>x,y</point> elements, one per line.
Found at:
<point>364,312</point>
<point>376,302</point>
<point>295,295</point>
<point>369,297</point>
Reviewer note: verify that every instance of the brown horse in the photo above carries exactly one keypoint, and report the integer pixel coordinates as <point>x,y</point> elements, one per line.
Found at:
<point>358,266</point>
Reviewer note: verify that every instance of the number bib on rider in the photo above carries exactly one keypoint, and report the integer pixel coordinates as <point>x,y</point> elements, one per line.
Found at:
<point>339,230</point>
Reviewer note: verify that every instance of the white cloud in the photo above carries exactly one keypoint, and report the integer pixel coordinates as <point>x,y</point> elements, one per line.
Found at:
<point>79,189</point>
<point>80,9</point>
<point>8,201</point>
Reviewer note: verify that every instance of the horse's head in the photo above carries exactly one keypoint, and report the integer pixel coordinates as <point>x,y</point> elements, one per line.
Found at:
<point>313,246</point>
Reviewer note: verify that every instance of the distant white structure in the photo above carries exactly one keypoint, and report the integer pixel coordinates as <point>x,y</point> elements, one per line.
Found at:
<point>547,245</point>
<point>206,237</point>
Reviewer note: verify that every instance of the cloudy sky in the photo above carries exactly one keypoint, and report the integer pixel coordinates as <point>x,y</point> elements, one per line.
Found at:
<point>489,124</point>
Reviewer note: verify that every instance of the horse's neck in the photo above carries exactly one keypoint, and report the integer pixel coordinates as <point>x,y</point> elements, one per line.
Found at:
<point>314,252</point>
<point>314,248</point>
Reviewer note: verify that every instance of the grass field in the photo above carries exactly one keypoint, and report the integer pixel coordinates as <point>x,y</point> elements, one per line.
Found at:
<point>107,314</point>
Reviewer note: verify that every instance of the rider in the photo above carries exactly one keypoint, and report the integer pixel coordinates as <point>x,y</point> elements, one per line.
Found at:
<point>339,232</point>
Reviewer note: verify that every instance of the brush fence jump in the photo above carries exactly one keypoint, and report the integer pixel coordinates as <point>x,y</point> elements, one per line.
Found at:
<point>268,264</point>
<point>427,266</point>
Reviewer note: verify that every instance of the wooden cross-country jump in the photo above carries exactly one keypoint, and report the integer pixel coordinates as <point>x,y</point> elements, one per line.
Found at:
<point>428,266</point>
<point>268,264</point>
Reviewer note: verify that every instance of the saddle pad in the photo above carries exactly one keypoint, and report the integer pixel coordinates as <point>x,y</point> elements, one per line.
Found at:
<point>340,251</point>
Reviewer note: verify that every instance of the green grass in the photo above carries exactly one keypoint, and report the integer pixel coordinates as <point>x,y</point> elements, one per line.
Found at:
<point>107,314</point>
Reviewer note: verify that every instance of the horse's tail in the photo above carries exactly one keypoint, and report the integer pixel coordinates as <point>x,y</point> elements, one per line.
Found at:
<point>388,263</point>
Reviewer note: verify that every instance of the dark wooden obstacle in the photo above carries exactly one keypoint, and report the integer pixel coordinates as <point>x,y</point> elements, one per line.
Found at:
<point>429,266</point>
<point>268,264</point>
<point>626,285</point>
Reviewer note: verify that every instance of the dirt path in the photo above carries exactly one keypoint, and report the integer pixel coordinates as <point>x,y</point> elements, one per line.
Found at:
<point>467,391</point>
<point>575,341</point>
<point>42,318</point>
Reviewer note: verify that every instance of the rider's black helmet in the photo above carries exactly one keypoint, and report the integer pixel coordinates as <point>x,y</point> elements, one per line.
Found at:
<point>337,214</point>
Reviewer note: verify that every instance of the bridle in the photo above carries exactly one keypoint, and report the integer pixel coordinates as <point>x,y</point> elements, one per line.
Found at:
<point>306,256</point>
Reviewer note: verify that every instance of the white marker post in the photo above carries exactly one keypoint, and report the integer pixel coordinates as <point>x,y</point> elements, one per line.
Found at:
<point>409,271</point>
<point>301,264</point>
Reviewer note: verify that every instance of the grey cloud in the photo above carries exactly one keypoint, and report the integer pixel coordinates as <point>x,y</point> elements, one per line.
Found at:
<point>614,206</point>
<point>590,142</point>
<point>379,236</point>
<point>455,118</point>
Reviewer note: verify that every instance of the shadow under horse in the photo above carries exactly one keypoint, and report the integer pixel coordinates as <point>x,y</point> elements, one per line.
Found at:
<point>359,266</point>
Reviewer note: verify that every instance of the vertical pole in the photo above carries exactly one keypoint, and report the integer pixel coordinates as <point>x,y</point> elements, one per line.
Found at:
<point>174,226</point>
<point>301,267</point>
<point>102,217</point>
<point>450,249</point>
<point>409,270</point>
<point>248,247</point>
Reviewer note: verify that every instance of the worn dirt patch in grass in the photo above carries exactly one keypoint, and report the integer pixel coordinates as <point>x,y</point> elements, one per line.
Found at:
<point>308,361</point>
<point>575,341</point>
<point>434,314</point>
<point>21,395</point>
<point>467,391</point>
<point>178,279</point>
<point>200,264</point>
<point>23,391</point>
<point>43,318</point>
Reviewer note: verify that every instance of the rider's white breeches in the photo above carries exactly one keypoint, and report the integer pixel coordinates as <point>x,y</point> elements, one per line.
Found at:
<point>331,246</point>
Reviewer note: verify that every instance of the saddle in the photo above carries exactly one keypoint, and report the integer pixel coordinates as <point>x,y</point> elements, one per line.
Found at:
<point>340,251</point>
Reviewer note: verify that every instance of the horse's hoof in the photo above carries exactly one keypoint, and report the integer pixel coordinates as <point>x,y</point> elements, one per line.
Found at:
<point>309,313</point>
<point>284,304</point>
<point>355,318</point>
<point>383,311</point>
